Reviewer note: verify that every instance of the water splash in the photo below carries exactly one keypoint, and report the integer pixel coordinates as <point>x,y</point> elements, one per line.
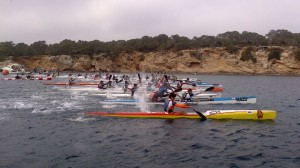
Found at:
<point>142,103</point>
<point>109,94</point>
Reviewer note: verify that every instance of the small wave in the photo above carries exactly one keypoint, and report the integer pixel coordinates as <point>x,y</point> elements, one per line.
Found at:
<point>81,119</point>
<point>68,104</point>
<point>41,110</point>
<point>23,105</point>
<point>4,116</point>
<point>71,157</point>
<point>35,97</point>
<point>109,106</point>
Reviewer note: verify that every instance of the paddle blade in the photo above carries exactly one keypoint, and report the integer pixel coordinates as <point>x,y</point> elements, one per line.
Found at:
<point>166,78</point>
<point>178,90</point>
<point>140,79</point>
<point>203,118</point>
<point>209,89</point>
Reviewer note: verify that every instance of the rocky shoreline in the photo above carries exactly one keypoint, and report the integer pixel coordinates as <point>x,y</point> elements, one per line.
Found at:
<point>199,61</point>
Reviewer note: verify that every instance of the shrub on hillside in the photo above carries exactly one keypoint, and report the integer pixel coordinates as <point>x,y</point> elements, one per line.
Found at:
<point>196,54</point>
<point>247,55</point>
<point>274,54</point>
<point>297,54</point>
<point>232,49</point>
<point>179,53</point>
<point>142,57</point>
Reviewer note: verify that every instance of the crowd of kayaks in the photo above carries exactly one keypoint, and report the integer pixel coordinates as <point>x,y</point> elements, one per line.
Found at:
<point>135,89</point>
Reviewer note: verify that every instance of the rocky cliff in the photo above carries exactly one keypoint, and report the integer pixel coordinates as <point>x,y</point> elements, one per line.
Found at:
<point>204,60</point>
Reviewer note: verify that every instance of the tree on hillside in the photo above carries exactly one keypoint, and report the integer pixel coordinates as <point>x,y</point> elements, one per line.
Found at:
<point>7,48</point>
<point>229,38</point>
<point>249,38</point>
<point>38,48</point>
<point>22,49</point>
<point>280,37</point>
<point>67,47</point>
<point>181,42</point>
<point>163,42</point>
<point>204,41</point>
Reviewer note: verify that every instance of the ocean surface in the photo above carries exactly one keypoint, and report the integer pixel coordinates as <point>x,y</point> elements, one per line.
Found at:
<point>46,126</point>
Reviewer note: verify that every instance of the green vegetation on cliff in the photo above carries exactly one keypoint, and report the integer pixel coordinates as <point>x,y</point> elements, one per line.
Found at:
<point>231,40</point>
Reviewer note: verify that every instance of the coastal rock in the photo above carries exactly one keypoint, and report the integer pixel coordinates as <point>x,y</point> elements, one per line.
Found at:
<point>204,60</point>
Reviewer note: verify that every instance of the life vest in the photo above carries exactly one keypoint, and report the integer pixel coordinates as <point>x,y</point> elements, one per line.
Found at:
<point>169,105</point>
<point>187,96</point>
<point>163,89</point>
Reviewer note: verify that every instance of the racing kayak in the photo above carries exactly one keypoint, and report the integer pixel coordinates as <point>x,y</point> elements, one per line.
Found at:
<point>202,95</point>
<point>67,84</point>
<point>217,100</point>
<point>212,114</point>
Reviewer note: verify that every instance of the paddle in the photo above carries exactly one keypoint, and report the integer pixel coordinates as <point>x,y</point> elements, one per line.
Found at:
<point>202,117</point>
<point>140,79</point>
<point>209,89</point>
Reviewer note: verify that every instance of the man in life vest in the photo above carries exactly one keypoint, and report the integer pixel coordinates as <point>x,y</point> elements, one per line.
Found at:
<point>170,104</point>
<point>102,85</point>
<point>71,80</point>
<point>187,96</point>
<point>162,92</point>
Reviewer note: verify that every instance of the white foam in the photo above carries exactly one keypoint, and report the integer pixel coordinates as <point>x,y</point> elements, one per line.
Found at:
<point>81,119</point>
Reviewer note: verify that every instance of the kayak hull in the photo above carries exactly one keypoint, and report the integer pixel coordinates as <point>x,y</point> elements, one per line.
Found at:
<point>213,114</point>
<point>221,100</point>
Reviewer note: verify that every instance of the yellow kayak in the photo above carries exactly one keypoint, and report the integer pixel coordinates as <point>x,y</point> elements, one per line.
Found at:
<point>212,114</point>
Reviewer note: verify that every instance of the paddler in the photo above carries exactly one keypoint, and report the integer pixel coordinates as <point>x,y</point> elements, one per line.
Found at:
<point>102,85</point>
<point>179,86</point>
<point>170,104</point>
<point>162,92</point>
<point>71,80</point>
<point>149,87</point>
<point>187,96</point>
<point>134,89</point>
<point>18,77</point>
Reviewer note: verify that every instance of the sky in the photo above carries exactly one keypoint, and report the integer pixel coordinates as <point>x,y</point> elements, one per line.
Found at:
<point>52,21</point>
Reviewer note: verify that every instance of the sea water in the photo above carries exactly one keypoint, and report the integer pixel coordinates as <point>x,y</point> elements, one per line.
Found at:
<point>46,126</point>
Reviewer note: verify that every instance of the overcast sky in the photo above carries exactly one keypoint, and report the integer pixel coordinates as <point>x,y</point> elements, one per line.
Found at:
<point>55,20</point>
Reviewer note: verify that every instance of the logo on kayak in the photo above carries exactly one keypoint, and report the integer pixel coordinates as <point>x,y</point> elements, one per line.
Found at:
<point>260,114</point>
<point>214,112</point>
